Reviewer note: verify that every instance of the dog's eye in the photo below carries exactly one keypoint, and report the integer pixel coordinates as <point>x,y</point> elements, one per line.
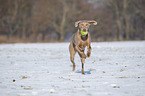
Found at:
<point>86,24</point>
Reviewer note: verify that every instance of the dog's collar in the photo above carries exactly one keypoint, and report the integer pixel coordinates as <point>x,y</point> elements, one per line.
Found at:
<point>84,32</point>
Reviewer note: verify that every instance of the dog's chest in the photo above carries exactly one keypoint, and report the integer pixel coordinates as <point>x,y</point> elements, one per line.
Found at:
<point>83,44</point>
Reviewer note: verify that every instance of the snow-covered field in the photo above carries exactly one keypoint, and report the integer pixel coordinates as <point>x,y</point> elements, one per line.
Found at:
<point>44,69</point>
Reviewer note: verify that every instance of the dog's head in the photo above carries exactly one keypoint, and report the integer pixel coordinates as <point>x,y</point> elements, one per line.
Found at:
<point>84,25</point>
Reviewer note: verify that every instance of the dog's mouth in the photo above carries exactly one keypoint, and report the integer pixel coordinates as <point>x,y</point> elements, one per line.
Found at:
<point>84,30</point>
<point>83,36</point>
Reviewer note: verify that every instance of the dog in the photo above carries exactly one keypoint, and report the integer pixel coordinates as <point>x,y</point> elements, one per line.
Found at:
<point>80,40</point>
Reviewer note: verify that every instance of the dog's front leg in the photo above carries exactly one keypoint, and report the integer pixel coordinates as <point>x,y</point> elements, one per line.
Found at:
<point>89,50</point>
<point>81,53</point>
<point>83,61</point>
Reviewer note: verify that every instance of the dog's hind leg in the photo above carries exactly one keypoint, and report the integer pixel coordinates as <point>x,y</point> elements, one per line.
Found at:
<point>72,54</point>
<point>72,60</point>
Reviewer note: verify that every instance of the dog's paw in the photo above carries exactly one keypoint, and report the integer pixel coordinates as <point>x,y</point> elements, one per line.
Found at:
<point>84,56</point>
<point>88,54</point>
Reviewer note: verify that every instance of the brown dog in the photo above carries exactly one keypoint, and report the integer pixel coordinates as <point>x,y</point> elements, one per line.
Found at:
<point>80,40</point>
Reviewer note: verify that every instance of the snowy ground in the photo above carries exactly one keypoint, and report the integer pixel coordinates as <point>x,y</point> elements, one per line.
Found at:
<point>117,69</point>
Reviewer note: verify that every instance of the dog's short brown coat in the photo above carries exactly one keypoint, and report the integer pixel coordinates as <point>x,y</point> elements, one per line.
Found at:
<point>79,42</point>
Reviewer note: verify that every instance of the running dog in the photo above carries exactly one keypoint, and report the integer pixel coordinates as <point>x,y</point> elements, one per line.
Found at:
<point>80,40</point>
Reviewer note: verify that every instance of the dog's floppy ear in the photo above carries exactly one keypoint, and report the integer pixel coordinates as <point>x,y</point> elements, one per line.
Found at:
<point>92,22</point>
<point>76,23</point>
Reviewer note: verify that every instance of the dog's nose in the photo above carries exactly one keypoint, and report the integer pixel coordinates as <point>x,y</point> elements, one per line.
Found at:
<point>84,30</point>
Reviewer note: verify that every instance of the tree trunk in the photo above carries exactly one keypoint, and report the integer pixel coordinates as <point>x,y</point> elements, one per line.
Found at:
<point>65,10</point>
<point>118,22</point>
<point>60,29</point>
<point>126,19</point>
<point>119,31</point>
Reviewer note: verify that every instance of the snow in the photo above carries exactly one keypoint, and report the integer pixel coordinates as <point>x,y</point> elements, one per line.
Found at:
<point>44,69</point>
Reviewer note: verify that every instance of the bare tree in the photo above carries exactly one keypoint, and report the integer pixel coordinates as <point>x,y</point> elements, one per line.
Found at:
<point>11,18</point>
<point>53,20</point>
<point>59,26</point>
<point>115,6</point>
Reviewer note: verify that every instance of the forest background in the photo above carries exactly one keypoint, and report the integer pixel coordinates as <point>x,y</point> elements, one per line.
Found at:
<point>53,20</point>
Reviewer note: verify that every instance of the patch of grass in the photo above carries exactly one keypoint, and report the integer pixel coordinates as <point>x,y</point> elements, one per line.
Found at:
<point>85,86</point>
<point>26,87</point>
<point>116,86</point>
<point>121,70</point>
<point>123,77</point>
<point>94,61</point>
<point>24,77</point>
<point>14,80</point>
<point>100,59</point>
<point>103,71</point>
<point>91,69</point>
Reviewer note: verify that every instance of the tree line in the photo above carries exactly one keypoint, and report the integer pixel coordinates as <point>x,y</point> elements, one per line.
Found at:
<point>53,20</point>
